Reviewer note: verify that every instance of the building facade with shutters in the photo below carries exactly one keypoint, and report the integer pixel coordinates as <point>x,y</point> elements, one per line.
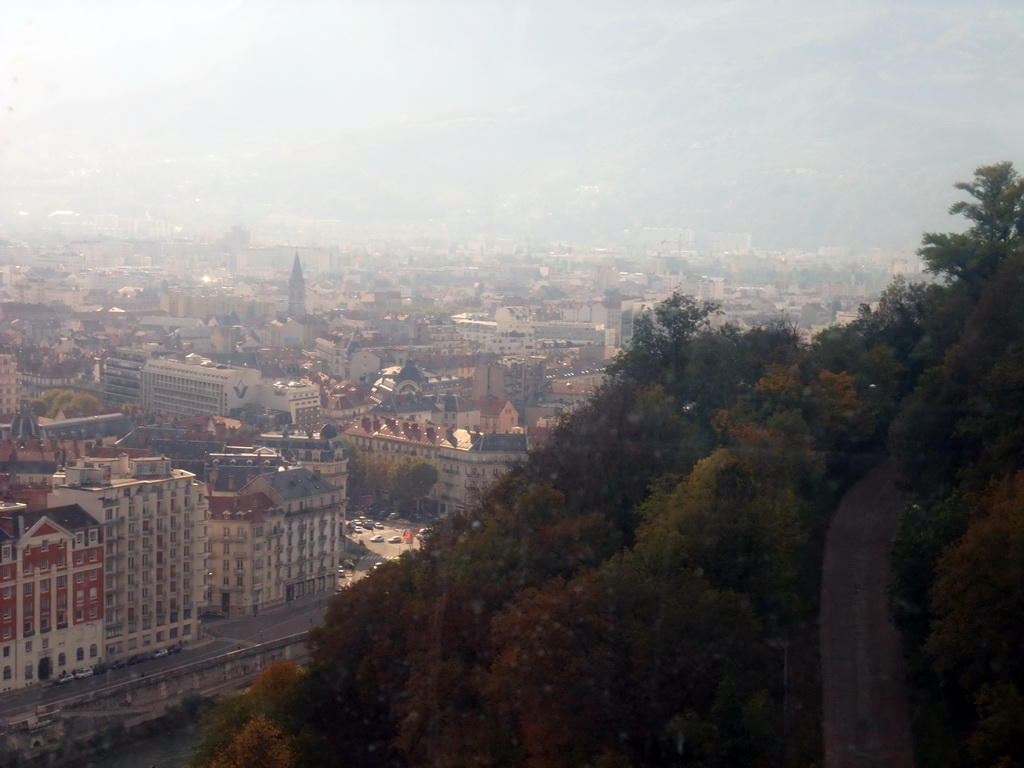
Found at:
<point>51,593</point>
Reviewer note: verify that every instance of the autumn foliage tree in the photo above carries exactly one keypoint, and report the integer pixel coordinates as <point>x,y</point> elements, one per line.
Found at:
<point>242,726</point>
<point>259,742</point>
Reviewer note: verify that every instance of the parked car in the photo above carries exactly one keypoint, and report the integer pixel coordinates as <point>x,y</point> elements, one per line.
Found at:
<point>379,526</point>
<point>83,673</point>
<point>159,653</point>
<point>64,678</point>
<point>377,538</point>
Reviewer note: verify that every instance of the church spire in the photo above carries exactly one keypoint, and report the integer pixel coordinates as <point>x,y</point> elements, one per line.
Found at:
<point>296,290</point>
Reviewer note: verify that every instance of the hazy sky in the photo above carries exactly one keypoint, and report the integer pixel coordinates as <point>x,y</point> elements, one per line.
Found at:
<point>803,122</point>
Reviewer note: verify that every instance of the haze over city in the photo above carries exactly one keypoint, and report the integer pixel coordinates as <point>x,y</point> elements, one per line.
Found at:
<point>804,126</point>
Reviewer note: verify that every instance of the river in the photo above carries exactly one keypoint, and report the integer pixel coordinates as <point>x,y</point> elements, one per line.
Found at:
<point>171,750</point>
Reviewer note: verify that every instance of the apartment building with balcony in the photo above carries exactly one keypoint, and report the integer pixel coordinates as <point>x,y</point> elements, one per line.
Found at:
<point>241,569</point>
<point>470,462</point>
<point>301,534</point>
<point>155,536</point>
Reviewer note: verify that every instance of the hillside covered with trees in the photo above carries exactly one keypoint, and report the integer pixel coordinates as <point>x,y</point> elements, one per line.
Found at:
<point>625,597</point>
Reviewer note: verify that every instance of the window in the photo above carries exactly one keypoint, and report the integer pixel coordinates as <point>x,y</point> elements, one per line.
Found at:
<point>240,581</point>
<point>7,593</point>
<point>28,671</point>
<point>44,586</point>
<point>80,654</point>
<point>62,659</point>
<point>7,673</point>
<point>62,582</point>
<point>28,646</point>
<point>27,589</point>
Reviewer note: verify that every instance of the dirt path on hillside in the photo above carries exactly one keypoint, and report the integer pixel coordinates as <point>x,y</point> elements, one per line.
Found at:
<point>864,696</point>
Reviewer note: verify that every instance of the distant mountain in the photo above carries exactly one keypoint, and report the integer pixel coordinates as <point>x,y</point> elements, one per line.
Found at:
<point>847,127</point>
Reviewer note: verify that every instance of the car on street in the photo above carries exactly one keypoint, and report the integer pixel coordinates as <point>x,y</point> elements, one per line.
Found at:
<point>64,678</point>
<point>379,526</point>
<point>395,540</point>
<point>160,653</point>
<point>83,673</point>
<point>377,538</point>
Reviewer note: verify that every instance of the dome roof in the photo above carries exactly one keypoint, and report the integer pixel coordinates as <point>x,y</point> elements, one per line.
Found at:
<point>25,425</point>
<point>410,373</point>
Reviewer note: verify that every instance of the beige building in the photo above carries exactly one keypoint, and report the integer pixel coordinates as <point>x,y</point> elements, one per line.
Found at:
<point>240,562</point>
<point>470,464</point>
<point>322,451</point>
<point>299,545</point>
<point>10,383</point>
<point>155,527</point>
<point>467,462</point>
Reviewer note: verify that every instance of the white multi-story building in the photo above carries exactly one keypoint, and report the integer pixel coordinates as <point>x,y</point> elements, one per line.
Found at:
<point>154,522</point>
<point>299,399</point>
<point>196,387</point>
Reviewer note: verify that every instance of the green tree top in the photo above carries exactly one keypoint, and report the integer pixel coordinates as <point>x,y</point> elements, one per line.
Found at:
<point>997,213</point>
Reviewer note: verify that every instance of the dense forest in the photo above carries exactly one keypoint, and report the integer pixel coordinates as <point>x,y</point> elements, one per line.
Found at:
<point>643,590</point>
